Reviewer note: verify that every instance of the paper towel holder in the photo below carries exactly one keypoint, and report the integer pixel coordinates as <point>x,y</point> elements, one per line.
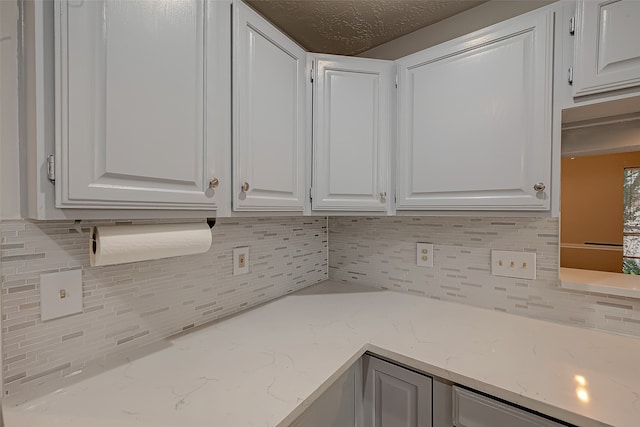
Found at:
<point>211,222</point>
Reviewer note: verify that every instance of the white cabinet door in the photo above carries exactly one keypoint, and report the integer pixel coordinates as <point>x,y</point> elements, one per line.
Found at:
<point>269,116</point>
<point>607,55</point>
<point>395,396</point>
<point>475,120</point>
<point>138,88</point>
<point>352,104</point>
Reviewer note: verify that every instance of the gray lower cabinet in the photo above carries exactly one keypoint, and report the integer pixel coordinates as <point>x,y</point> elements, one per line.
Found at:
<point>394,396</point>
<point>476,410</point>
<point>340,405</point>
<point>377,393</point>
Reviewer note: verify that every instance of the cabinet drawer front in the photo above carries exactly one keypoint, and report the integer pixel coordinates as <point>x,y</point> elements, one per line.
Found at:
<point>132,103</point>
<point>475,410</point>
<point>607,49</point>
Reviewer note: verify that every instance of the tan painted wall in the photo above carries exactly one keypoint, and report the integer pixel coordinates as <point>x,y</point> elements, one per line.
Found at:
<point>591,208</point>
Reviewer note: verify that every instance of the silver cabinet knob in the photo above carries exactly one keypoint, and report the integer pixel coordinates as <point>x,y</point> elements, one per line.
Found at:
<point>213,183</point>
<point>539,187</point>
<point>383,195</point>
<point>245,187</point>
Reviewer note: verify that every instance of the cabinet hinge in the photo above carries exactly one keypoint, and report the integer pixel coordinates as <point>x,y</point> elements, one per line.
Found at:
<point>570,76</point>
<point>311,74</point>
<point>572,26</point>
<point>310,195</point>
<point>396,81</point>
<point>51,168</point>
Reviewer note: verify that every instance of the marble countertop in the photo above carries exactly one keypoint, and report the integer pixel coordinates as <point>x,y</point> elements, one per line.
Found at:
<point>264,366</point>
<point>602,282</point>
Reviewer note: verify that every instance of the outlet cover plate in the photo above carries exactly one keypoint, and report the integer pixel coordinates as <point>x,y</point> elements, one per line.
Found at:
<point>424,254</point>
<point>60,294</point>
<point>237,254</point>
<point>521,265</point>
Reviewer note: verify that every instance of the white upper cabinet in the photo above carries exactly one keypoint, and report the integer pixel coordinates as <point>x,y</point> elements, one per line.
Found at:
<point>475,120</point>
<point>269,116</point>
<point>142,104</point>
<point>353,101</point>
<point>607,50</point>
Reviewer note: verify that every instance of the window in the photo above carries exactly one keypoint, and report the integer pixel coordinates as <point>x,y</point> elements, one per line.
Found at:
<point>631,231</point>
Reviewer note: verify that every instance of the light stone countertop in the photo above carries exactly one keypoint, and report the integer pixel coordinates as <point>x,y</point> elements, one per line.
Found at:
<point>264,366</point>
<point>602,282</point>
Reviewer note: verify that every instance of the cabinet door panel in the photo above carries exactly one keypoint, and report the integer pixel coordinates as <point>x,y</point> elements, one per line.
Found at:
<point>133,104</point>
<point>475,410</point>
<point>269,121</point>
<point>475,120</point>
<point>607,49</point>
<point>352,125</point>
<point>395,396</point>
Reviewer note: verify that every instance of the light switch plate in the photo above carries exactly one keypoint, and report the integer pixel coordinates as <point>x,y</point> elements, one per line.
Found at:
<point>240,260</point>
<point>60,294</point>
<point>424,254</point>
<point>521,265</point>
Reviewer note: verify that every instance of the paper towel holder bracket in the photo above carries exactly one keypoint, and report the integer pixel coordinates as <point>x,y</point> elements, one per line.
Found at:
<point>211,222</point>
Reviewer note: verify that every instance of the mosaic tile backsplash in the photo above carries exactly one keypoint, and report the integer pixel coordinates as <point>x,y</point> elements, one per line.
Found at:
<point>131,305</point>
<point>127,306</point>
<point>381,252</point>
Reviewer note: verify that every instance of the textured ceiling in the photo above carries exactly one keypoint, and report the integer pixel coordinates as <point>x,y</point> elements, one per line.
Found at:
<point>348,27</point>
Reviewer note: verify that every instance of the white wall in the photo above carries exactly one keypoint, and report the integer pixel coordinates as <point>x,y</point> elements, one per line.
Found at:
<point>463,23</point>
<point>9,148</point>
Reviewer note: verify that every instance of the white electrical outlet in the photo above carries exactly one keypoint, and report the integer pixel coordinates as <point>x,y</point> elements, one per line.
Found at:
<point>424,254</point>
<point>60,294</point>
<point>240,260</point>
<point>513,264</point>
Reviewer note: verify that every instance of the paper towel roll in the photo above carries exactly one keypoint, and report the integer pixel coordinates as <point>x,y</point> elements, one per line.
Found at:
<point>117,244</point>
